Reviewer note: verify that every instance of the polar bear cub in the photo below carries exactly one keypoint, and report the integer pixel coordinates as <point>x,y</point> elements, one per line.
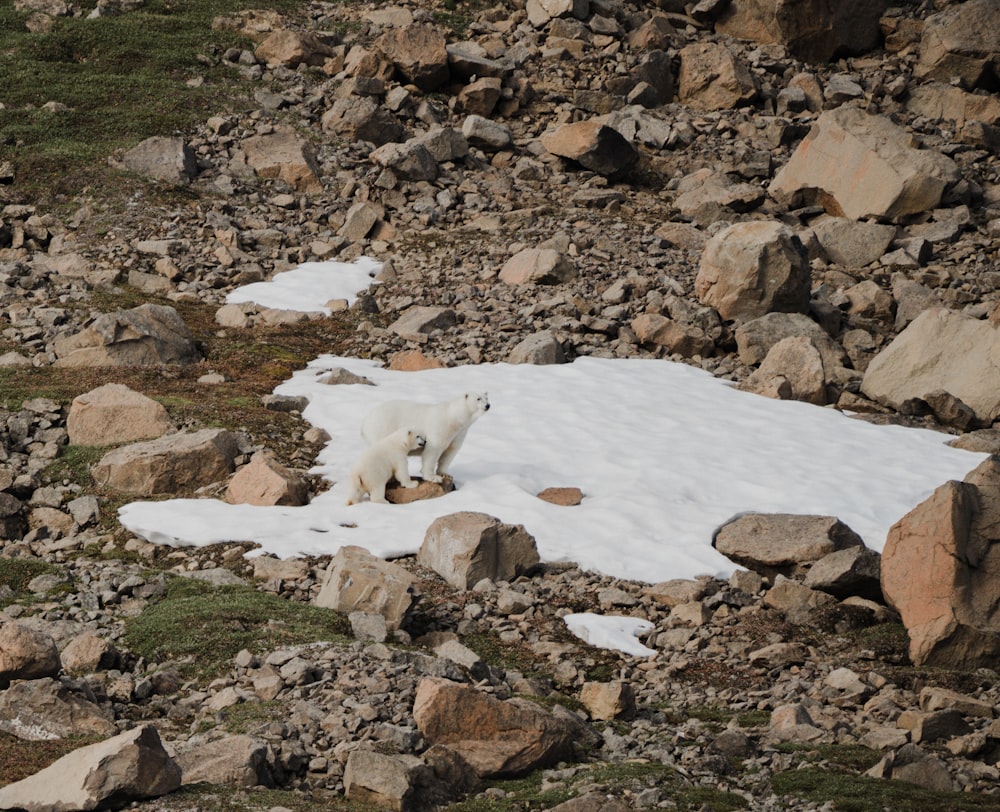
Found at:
<point>379,463</point>
<point>444,425</point>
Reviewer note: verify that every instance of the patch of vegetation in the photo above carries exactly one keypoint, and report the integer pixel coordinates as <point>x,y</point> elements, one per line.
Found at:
<point>204,627</point>
<point>19,759</point>
<point>855,757</point>
<point>219,798</point>
<point>516,795</point>
<point>248,717</point>
<point>73,465</point>
<point>721,716</point>
<point>854,793</point>
<point>16,574</point>
<point>120,78</point>
<point>506,656</point>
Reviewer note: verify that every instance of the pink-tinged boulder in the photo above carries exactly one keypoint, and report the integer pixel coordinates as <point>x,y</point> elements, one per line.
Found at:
<point>265,481</point>
<point>466,547</point>
<point>293,48</point>
<point>674,336</point>
<point>131,766</point>
<point>939,351</point>
<point>592,144</point>
<point>753,268</point>
<point>941,572</point>
<point>285,156</point>
<point>358,581</point>
<point>859,165</point>
<point>419,53</point>
<point>796,361</point>
<point>814,32</point>
<point>113,414</point>
<point>961,42</point>
<point>26,653</point>
<point>712,78</point>
<point>497,738</point>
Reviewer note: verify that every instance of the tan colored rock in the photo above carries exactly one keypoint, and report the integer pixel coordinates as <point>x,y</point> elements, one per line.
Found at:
<point>497,738</point>
<point>409,161</point>
<point>592,144</point>
<point>396,494</point>
<point>87,653</point>
<point>113,414</point>
<point>169,464</point>
<point>781,542</point>
<point>466,547</point>
<point>961,41</point>
<point>566,497</point>
<point>358,581</point>
<point>146,335</point>
<point>676,337</point>
<point>265,481</point>
<point>45,709</point>
<point>711,77</point>
<point>756,338</point>
<point>538,348</point>
<point>935,698</point>
<point>413,361</point>
<point>128,767</point>
<point>236,760</point>
<point>285,156</point>
<point>362,119</point>
<point>537,266</point>
<point>542,12</point>
<point>945,102</point>
<point>859,165</point>
<point>163,158</point>
<point>419,53</point>
<point>797,361</point>
<point>939,350</point>
<point>416,322</point>
<point>941,571</point>
<point>608,700</point>
<point>676,591</point>
<point>386,781</point>
<point>26,653</point>
<point>850,243</point>
<point>480,96</point>
<point>753,268</point>
<point>797,602</point>
<point>293,48</point>
<point>814,32</point>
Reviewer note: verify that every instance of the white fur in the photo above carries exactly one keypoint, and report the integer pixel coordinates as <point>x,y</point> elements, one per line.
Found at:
<point>379,463</point>
<point>443,424</point>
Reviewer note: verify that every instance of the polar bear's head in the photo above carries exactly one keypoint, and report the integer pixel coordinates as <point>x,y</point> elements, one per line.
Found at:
<point>477,403</point>
<point>415,440</point>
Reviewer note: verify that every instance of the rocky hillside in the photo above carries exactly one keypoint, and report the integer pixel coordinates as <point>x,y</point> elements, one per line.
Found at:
<point>805,202</point>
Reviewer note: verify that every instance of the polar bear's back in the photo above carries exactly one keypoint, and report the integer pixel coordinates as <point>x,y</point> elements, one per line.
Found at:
<point>392,415</point>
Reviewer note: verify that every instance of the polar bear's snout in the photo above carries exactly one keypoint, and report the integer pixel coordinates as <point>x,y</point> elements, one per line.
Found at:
<point>420,441</point>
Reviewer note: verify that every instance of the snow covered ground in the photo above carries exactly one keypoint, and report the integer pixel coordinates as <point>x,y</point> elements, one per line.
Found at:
<point>664,453</point>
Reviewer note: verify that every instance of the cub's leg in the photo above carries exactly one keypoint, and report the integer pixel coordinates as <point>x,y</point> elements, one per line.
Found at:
<point>402,475</point>
<point>376,493</point>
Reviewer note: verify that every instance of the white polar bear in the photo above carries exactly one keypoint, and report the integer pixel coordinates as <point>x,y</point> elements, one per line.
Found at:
<point>443,424</point>
<point>378,464</point>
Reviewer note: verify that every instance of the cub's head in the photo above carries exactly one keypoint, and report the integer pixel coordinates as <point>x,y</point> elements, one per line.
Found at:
<point>416,440</point>
<point>477,403</point>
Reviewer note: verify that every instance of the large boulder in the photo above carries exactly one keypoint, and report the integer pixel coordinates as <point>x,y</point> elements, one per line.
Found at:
<point>149,334</point>
<point>782,543</point>
<point>812,31</point>
<point>163,158</point>
<point>537,266</point>
<point>593,144</point>
<point>359,118</point>
<point>941,572</point>
<point>285,156</point>
<point>792,370</point>
<point>237,760</point>
<point>464,548</point>
<point>358,581</point>
<point>711,77</point>
<point>26,653</point>
<point>753,268</point>
<point>419,54</point>
<point>112,414</point>
<point>265,481</point>
<point>940,350</point>
<point>129,767</point>
<point>498,738</point>
<point>45,709</point>
<point>755,338</point>
<point>169,464</point>
<point>293,48</point>
<point>859,165</point>
<point>961,42</point>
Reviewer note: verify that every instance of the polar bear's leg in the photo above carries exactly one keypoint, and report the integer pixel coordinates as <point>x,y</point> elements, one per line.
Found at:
<point>429,462</point>
<point>355,491</point>
<point>449,453</point>
<point>376,493</point>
